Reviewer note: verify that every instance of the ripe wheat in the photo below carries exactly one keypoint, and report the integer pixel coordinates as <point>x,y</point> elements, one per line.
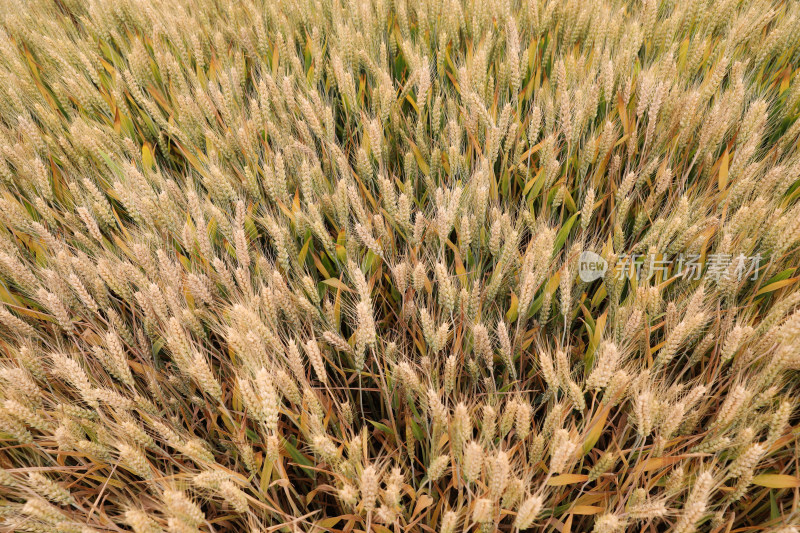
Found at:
<point>321,266</point>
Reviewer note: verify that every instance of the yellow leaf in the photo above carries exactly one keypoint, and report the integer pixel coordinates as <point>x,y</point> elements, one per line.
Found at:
<point>341,253</point>
<point>275,59</point>
<point>723,171</point>
<point>532,182</point>
<point>532,150</point>
<point>599,329</point>
<point>328,523</point>
<point>421,163</point>
<point>567,479</point>
<point>599,295</point>
<point>412,102</point>
<point>570,202</point>
<point>623,113</point>
<point>775,286</point>
<point>776,481</point>
<point>786,81</point>
<point>511,315</point>
<point>266,475</point>
<point>337,306</point>
<point>683,51</point>
<point>598,425</point>
<point>552,283</point>
<point>423,503</point>
<point>459,264</point>
<point>296,201</point>
<point>333,282</point>
<point>320,266</point>
<point>301,258</point>
<point>147,156</point>
<point>655,463</point>
<point>586,509</point>
<point>7,297</point>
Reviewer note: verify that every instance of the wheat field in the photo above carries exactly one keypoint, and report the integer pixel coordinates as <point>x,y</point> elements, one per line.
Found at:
<point>399,266</point>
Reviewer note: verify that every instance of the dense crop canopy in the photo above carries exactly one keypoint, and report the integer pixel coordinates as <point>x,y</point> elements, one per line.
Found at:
<point>394,265</point>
